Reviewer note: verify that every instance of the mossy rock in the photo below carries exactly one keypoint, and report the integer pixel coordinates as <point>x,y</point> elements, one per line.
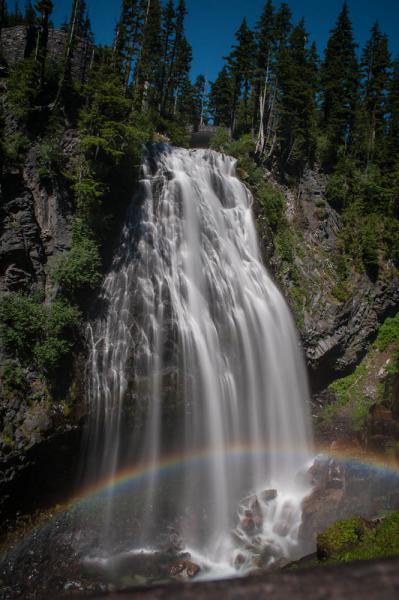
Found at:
<point>340,537</point>
<point>359,539</point>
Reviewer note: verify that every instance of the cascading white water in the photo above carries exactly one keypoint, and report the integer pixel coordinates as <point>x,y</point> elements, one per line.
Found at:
<point>195,355</point>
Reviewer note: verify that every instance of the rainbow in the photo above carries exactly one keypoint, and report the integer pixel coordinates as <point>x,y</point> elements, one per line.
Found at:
<point>136,475</point>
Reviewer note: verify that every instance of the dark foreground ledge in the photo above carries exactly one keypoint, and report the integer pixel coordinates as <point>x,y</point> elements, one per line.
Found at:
<point>367,580</point>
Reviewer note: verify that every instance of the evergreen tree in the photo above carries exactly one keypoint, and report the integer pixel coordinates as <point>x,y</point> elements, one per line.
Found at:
<point>181,93</point>
<point>149,67</point>
<point>375,70</point>
<point>135,13</point>
<point>282,25</point>
<point>179,59</point>
<point>44,8</point>
<point>340,83</point>
<point>30,14</point>
<point>4,17</point>
<point>221,98</point>
<point>120,38</point>
<point>81,17</point>
<point>66,91</point>
<point>297,89</point>
<point>168,31</point>
<point>241,62</point>
<point>392,137</point>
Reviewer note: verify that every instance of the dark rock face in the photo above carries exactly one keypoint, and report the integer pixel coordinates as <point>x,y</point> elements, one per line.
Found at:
<point>22,254</point>
<point>35,223</point>
<point>335,332</point>
<point>35,226</point>
<point>337,336</point>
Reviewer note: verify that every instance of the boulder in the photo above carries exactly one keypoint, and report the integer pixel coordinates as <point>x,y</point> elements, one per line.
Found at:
<point>184,569</point>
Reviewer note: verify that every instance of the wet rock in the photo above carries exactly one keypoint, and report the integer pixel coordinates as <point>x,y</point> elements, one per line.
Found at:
<point>282,528</point>
<point>356,486</point>
<point>319,509</point>
<point>279,564</point>
<point>238,538</point>
<point>258,520</point>
<point>268,495</point>
<point>184,569</point>
<point>248,525</point>
<point>269,552</point>
<point>239,560</point>
<point>256,508</point>
<point>335,483</point>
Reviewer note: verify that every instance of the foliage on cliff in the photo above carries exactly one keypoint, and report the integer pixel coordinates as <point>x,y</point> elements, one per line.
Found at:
<point>365,401</point>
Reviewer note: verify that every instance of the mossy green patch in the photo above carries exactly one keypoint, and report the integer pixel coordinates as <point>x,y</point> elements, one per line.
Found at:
<point>388,333</point>
<point>358,539</point>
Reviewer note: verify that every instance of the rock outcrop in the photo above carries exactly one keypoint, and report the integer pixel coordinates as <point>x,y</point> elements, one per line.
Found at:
<point>35,227</point>
<point>337,319</point>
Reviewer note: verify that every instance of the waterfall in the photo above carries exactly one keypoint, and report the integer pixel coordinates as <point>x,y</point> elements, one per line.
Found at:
<point>195,369</point>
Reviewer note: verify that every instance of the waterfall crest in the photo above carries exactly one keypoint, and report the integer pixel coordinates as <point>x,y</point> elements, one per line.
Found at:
<point>194,355</point>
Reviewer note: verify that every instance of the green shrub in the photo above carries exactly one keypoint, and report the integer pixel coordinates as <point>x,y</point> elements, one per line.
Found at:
<point>13,378</point>
<point>80,268</point>
<point>51,158</point>
<point>15,147</point>
<point>175,131</point>
<point>387,333</point>
<point>35,332</point>
<point>21,322</point>
<point>273,203</point>
<point>343,386</point>
<point>340,291</point>
<point>23,87</point>
<point>243,147</point>
<point>284,244</point>
<point>221,140</point>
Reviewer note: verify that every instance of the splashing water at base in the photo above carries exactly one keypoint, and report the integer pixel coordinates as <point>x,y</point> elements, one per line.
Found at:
<point>194,348</point>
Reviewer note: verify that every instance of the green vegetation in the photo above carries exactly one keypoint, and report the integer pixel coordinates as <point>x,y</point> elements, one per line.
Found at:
<point>80,268</point>
<point>36,333</point>
<point>368,384</point>
<point>350,398</point>
<point>124,96</point>
<point>342,115</point>
<point>387,333</point>
<point>358,539</point>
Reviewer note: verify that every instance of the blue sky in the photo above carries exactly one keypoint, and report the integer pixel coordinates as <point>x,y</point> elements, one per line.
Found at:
<point>211,23</point>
